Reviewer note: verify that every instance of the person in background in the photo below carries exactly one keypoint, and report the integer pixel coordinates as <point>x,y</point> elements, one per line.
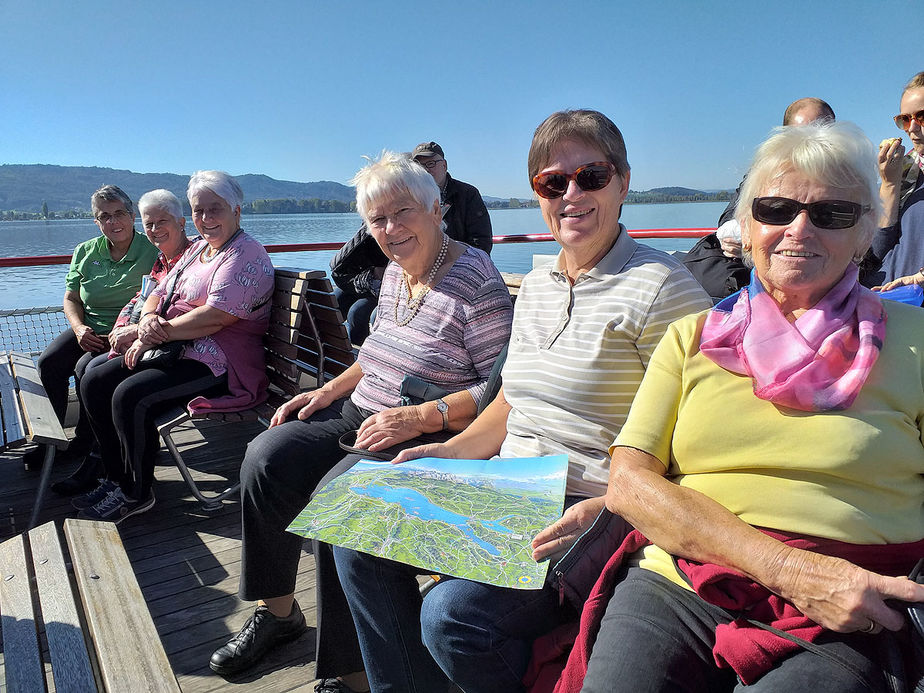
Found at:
<point>899,242</point>
<point>804,516</point>
<point>164,225</point>
<point>444,318</point>
<point>214,305</point>
<point>584,329</point>
<point>105,272</point>
<point>464,212</point>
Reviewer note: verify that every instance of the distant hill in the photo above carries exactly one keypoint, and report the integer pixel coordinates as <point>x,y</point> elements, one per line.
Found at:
<point>24,187</point>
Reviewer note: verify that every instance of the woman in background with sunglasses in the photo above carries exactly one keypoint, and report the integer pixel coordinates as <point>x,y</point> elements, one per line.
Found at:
<point>583,330</point>
<point>772,462</point>
<point>899,243</point>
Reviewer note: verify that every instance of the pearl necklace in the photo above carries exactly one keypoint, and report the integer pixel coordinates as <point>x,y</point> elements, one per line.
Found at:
<point>414,302</point>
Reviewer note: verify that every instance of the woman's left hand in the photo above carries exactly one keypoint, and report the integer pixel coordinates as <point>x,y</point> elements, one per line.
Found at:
<point>133,355</point>
<point>916,278</point>
<point>841,596</point>
<point>153,329</point>
<point>390,427</point>
<point>558,537</point>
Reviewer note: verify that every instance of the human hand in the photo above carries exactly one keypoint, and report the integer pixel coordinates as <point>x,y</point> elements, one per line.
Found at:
<point>305,403</point>
<point>916,278</point>
<point>121,338</point>
<point>134,352</point>
<point>558,537</point>
<point>891,160</point>
<point>441,450</point>
<point>152,329</point>
<point>390,427</point>
<point>88,340</point>
<point>841,596</point>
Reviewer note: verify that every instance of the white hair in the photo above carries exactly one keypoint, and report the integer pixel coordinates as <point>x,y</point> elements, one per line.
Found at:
<point>161,199</point>
<point>390,175</point>
<point>218,182</point>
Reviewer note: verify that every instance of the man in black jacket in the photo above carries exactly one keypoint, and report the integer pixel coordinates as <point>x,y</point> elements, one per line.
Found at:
<point>466,218</point>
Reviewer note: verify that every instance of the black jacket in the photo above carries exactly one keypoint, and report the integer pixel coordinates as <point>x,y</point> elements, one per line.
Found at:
<point>467,219</point>
<point>353,267</point>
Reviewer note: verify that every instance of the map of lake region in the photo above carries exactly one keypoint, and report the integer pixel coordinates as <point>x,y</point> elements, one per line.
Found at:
<point>473,519</point>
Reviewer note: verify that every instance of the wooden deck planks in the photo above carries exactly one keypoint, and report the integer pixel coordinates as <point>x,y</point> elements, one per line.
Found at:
<point>187,562</point>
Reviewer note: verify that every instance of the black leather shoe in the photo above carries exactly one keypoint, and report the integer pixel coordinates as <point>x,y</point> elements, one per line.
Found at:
<point>259,635</point>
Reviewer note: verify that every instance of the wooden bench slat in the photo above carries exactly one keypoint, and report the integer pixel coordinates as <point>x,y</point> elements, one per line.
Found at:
<point>323,299</point>
<point>279,315</point>
<point>127,644</point>
<point>321,284</point>
<point>12,428</point>
<point>70,661</point>
<point>41,422</point>
<point>299,273</point>
<point>22,661</point>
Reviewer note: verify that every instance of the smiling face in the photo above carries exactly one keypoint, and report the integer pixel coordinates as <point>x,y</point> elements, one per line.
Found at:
<point>115,223</point>
<point>585,224</point>
<point>798,263</point>
<point>213,217</point>
<point>406,233</point>
<point>163,230</point>
<point>912,102</point>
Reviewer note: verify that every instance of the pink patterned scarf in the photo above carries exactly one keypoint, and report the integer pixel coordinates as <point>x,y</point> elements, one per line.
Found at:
<point>817,363</point>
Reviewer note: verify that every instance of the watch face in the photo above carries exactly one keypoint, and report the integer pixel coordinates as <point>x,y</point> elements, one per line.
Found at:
<point>441,406</point>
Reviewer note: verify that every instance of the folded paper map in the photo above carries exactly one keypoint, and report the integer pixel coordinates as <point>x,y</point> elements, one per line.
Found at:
<point>472,519</point>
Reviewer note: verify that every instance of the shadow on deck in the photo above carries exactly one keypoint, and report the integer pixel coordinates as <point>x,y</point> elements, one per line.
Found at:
<point>187,561</point>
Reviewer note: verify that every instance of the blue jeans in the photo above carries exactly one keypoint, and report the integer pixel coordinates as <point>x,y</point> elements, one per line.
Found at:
<point>356,310</point>
<point>475,635</point>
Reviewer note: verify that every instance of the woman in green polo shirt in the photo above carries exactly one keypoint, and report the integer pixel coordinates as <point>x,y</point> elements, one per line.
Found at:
<point>105,273</point>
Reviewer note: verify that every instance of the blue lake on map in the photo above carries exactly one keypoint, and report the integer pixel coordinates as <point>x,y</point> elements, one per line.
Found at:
<point>416,504</point>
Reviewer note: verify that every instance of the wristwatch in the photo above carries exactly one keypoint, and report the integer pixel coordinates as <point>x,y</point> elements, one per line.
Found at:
<point>443,409</point>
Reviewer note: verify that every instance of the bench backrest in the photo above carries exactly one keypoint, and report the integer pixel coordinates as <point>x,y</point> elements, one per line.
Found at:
<point>26,415</point>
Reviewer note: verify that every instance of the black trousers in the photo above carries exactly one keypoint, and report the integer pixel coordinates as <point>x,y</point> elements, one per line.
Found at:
<point>60,360</point>
<point>122,405</point>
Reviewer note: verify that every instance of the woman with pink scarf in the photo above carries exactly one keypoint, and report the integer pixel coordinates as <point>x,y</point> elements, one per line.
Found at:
<point>772,463</point>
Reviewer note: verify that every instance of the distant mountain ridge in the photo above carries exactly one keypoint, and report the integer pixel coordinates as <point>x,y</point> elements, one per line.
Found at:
<point>25,186</point>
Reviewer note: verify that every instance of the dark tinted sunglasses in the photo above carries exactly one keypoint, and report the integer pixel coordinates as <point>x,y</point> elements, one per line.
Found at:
<point>825,214</point>
<point>903,120</point>
<point>589,177</point>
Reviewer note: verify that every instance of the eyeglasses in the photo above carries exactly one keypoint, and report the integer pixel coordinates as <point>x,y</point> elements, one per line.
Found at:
<point>430,163</point>
<point>825,214</point>
<point>903,120</point>
<point>118,215</point>
<point>589,177</point>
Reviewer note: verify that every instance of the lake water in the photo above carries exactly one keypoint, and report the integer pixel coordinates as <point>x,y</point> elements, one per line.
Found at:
<point>24,287</point>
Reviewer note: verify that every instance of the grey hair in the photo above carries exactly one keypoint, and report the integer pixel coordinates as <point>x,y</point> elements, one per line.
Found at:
<point>161,199</point>
<point>111,193</point>
<point>835,154</point>
<point>390,175</point>
<point>218,182</point>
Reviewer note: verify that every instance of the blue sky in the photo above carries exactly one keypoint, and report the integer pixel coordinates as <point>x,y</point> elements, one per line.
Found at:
<point>301,90</point>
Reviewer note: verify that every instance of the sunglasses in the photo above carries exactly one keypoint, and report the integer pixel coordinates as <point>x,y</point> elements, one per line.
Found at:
<point>589,177</point>
<point>903,120</point>
<point>825,214</point>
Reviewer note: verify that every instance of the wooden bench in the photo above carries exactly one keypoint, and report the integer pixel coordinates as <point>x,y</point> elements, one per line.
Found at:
<point>306,344</point>
<point>103,640</point>
<point>28,417</point>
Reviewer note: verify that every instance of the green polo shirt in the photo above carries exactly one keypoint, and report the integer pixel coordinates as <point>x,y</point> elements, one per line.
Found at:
<point>106,286</point>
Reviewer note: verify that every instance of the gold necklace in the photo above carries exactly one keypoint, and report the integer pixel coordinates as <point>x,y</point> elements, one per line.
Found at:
<point>412,302</point>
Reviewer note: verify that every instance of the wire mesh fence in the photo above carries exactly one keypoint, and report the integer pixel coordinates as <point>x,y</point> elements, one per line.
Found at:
<point>30,330</point>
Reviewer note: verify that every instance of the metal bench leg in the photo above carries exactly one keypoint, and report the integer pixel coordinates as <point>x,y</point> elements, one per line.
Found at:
<point>43,485</point>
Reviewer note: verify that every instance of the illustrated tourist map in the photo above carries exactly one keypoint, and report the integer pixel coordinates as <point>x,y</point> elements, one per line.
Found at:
<point>473,519</point>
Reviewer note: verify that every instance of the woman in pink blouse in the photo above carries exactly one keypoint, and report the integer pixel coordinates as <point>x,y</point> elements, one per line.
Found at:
<point>215,302</point>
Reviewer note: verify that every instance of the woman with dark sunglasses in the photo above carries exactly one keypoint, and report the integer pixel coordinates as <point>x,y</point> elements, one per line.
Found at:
<point>899,243</point>
<point>772,463</point>
<point>584,328</point>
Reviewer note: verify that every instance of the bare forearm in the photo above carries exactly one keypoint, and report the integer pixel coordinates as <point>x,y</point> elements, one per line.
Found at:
<point>199,322</point>
<point>344,383</point>
<point>483,437</point>
<point>889,195</point>
<point>73,310</point>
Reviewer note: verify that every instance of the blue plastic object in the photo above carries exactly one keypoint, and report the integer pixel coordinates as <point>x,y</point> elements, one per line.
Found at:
<point>912,294</point>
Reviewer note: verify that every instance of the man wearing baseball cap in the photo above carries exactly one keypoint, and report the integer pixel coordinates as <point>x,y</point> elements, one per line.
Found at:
<point>464,212</point>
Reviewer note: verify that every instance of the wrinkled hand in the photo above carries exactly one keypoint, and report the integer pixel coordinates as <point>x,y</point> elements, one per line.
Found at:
<point>917,278</point>
<point>891,160</point>
<point>390,427</point>
<point>305,403</point>
<point>153,329</point>
<point>841,596</point>
<point>558,537</point>
<point>440,450</point>
<point>134,352</point>
<point>121,338</point>
<point>88,339</point>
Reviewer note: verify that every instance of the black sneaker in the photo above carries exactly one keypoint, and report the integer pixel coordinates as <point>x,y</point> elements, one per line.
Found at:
<point>116,506</point>
<point>259,635</point>
<point>87,500</point>
<point>332,686</point>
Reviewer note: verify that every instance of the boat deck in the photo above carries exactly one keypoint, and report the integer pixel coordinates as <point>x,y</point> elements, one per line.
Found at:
<point>187,561</point>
